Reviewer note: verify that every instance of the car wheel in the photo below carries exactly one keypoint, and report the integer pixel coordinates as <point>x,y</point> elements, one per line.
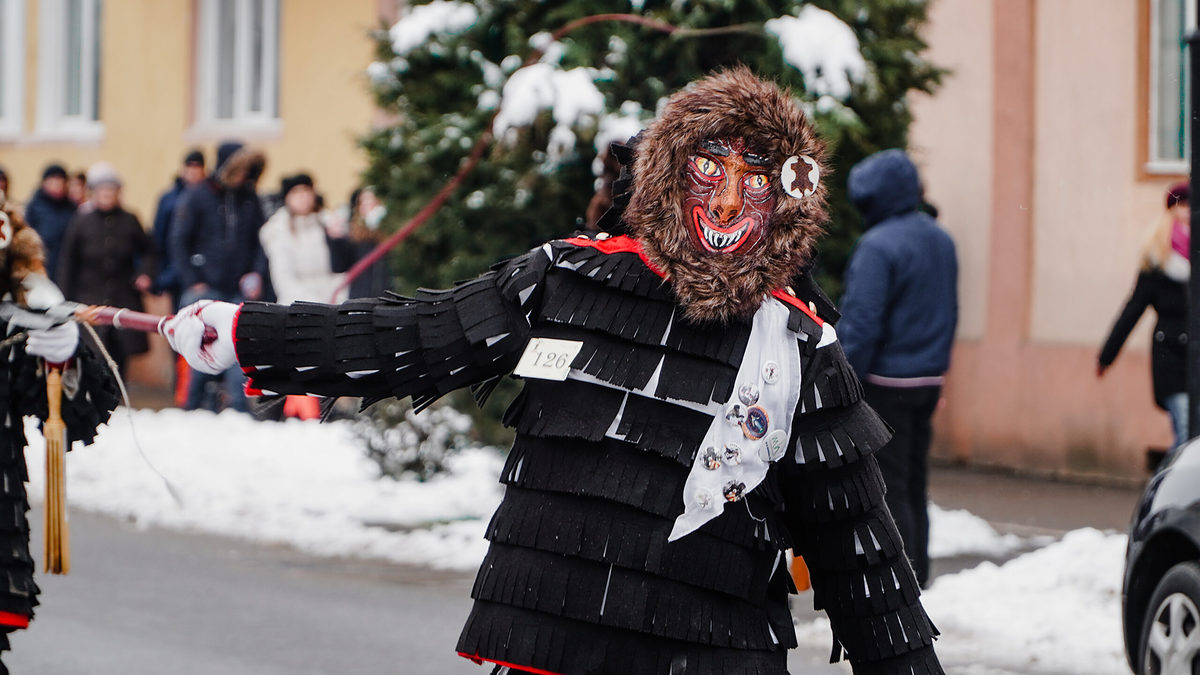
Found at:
<point>1170,643</point>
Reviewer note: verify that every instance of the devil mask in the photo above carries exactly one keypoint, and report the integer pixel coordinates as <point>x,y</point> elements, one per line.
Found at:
<point>726,194</point>
<point>729,197</point>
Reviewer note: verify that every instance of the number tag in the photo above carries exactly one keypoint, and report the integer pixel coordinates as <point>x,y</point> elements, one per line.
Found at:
<point>547,358</point>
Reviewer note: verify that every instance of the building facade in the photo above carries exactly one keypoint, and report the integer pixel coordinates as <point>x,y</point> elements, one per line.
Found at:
<point>1048,151</point>
<point>139,82</point>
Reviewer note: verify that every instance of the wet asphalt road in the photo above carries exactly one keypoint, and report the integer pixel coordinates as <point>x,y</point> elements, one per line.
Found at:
<point>154,601</point>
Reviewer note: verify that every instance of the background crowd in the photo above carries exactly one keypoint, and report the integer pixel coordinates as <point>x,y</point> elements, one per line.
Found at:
<point>217,234</point>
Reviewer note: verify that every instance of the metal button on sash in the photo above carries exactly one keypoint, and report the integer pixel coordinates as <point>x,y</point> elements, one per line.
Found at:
<point>773,446</point>
<point>733,454</point>
<point>735,414</point>
<point>703,498</point>
<point>733,490</point>
<point>770,372</point>
<point>756,424</point>
<point>748,394</point>
<point>712,460</point>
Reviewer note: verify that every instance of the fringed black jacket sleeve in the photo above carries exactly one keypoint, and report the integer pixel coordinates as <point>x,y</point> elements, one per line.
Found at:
<point>424,347</point>
<point>834,501</point>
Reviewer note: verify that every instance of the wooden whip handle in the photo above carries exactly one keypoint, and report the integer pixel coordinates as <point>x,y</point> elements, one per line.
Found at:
<point>117,317</point>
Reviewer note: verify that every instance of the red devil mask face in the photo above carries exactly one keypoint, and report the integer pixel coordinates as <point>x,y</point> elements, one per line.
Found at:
<point>729,197</point>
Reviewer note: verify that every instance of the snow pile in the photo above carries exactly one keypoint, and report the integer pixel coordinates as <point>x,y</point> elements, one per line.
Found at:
<point>617,128</point>
<point>1055,610</point>
<point>417,24</point>
<point>571,95</point>
<point>299,483</point>
<point>823,48</point>
<point>959,532</point>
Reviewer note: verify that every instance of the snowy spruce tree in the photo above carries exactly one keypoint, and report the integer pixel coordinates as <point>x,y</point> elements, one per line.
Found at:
<point>447,68</point>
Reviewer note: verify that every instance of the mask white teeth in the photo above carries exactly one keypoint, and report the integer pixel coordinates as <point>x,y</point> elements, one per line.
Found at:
<point>719,241</point>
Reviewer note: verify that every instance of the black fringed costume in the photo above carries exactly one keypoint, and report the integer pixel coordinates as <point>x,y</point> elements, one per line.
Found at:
<point>580,577</point>
<point>612,552</point>
<point>89,397</point>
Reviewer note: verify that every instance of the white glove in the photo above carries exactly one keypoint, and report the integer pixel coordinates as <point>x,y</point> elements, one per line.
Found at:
<point>185,334</point>
<point>56,344</point>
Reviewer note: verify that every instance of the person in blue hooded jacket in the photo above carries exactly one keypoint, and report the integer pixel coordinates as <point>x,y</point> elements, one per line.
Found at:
<point>899,313</point>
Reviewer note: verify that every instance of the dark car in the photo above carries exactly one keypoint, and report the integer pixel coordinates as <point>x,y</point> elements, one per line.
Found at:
<point>1160,600</point>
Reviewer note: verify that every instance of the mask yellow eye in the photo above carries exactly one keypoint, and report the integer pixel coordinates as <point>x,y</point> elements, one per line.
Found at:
<point>757,182</point>
<point>707,167</point>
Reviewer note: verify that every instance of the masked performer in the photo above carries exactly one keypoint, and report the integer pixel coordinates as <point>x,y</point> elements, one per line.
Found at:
<point>686,417</point>
<point>89,396</point>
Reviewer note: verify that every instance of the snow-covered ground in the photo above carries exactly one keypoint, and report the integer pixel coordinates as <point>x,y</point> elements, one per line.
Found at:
<point>1052,610</point>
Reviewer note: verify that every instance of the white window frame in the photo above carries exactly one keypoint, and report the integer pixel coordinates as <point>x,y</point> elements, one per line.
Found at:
<point>1156,164</point>
<point>207,66</point>
<point>52,120</point>
<point>12,41</point>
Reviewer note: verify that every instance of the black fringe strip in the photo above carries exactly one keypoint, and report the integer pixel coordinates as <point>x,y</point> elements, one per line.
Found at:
<point>609,468</point>
<point>886,636</point>
<point>534,640</point>
<point>828,381</point>
<point>568,410</point>
<point>578,301</point>
<point>613,534</point>
<point>723,342</point>
<point>623,271</point>
<point>671,430</point>
<point>642,481</point>
<point>922,661</point>
<point>835,494</point>
<point>613,596</point>
<point>832,437</point>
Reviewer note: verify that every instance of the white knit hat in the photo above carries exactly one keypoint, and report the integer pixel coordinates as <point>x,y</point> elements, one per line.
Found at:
<point>103,173</point>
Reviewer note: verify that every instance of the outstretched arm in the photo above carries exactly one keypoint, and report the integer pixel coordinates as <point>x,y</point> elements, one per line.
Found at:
<point>423,347</point>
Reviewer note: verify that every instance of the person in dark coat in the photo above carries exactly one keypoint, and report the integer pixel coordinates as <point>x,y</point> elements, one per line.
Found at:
<point>49,212</point>
<point>191,173</point>
<point>214,241</point>
<point>685,419</point>
<point>108,259</point>
<point>899,314</point>
<point>366,213</point>
<point>1162,284</point>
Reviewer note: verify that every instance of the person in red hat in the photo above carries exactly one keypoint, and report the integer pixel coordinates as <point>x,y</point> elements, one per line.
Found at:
<point>1162,284</point>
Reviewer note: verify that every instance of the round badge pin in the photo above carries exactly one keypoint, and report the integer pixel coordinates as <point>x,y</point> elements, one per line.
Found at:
<point>770,372</point>
<point>735,414</point>
<point>733,490</point>
<point>733,454</point>
<point>756,424</point>
<point>748,394</point>
<point>711,459</point>
<point>773,446</point>
<point>703,498</point>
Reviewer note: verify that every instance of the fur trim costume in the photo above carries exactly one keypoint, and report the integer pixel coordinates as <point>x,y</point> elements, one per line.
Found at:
<point>684,421</point>
<point>89,397</point>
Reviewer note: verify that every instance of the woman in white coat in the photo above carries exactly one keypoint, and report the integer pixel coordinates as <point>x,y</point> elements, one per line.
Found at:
<point>297,247</point>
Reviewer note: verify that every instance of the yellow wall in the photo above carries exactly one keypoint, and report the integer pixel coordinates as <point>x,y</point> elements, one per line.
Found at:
<point>147,100</point>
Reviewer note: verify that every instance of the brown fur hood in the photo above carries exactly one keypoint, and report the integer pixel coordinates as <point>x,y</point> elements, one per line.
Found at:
<point>731,104</point>
<point>244,164</point>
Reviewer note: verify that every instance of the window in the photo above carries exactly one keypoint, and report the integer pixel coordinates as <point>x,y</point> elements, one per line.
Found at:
<point>12,66</point>
<point>1170,136</point>
<point>237,65</point>
<point>69,67</point>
